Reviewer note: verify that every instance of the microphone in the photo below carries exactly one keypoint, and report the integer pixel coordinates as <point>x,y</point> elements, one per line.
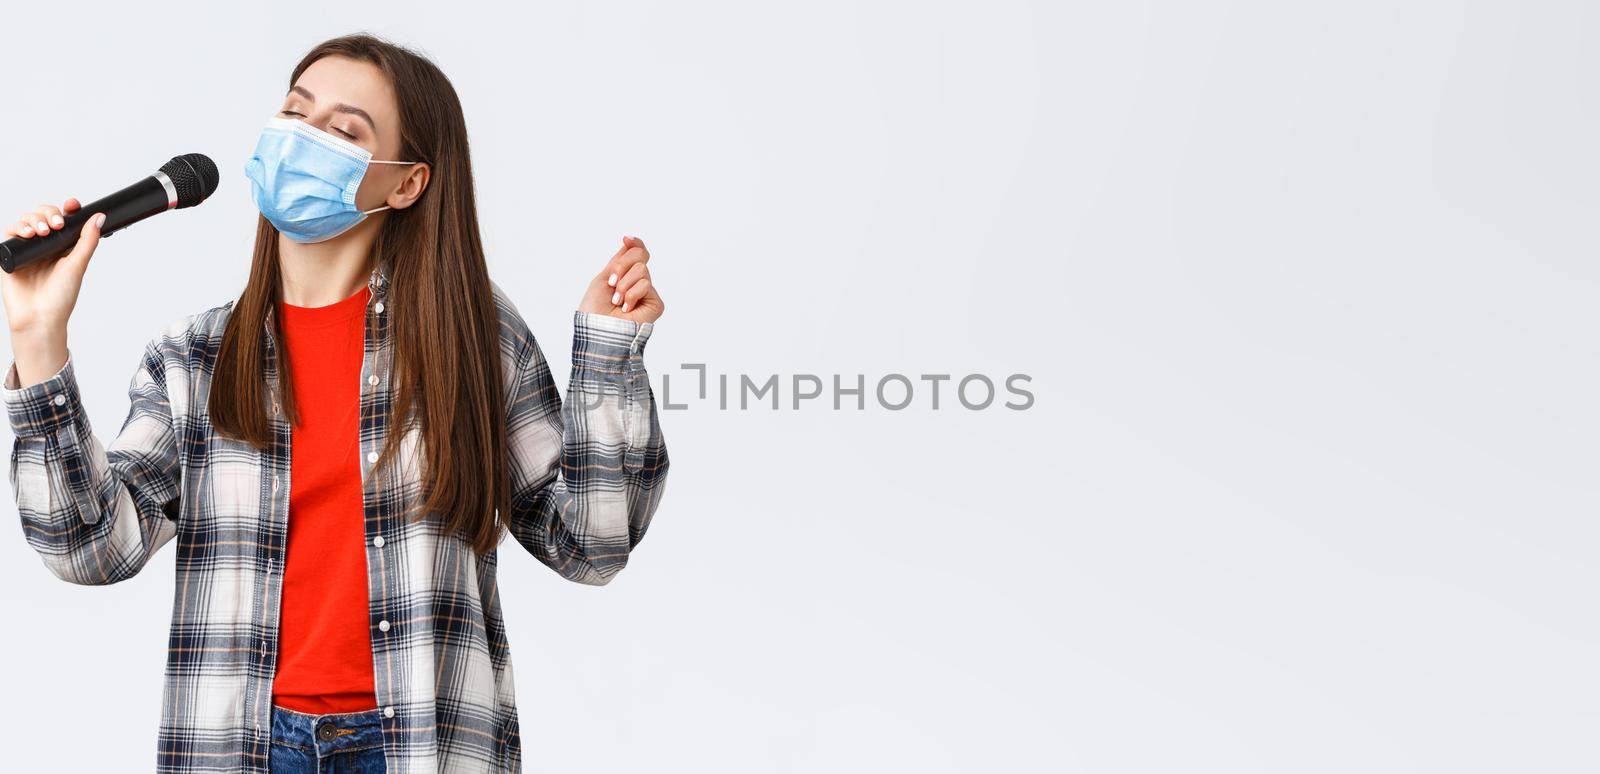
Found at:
<point>182,182</point>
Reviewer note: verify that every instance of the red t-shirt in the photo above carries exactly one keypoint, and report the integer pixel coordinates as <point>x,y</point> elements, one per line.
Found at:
<point>324,645</point>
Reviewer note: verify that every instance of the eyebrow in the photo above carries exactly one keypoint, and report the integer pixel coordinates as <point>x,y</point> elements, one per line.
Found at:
<point>339,108</point>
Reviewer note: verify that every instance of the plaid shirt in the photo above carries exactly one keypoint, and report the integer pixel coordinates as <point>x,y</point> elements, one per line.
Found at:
<point>586,477</point>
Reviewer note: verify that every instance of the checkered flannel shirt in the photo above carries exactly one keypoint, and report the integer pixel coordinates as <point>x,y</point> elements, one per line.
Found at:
<point>587,474</point>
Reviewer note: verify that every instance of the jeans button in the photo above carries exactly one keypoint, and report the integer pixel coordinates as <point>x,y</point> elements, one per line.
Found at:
<point>325,732</point>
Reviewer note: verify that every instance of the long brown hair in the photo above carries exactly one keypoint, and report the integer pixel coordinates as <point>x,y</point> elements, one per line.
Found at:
<point>445,325</point>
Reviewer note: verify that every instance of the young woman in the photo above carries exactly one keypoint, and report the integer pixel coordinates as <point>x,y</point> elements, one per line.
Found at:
<point>339,451</point>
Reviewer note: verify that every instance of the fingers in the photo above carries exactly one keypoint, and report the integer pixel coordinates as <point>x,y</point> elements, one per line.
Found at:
<point>43,219</point>
<point>25,224</point>
<point>36,218</point>
<point>52,214</point>
<point>632,287</point>
<point>638,292</point>
<point>626,280</point>
<point>633,253</point>
<point>88,239</point>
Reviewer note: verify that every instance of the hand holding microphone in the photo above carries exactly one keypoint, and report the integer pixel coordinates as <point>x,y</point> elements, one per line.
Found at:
<point>40,293</point>
<point>39,298</point>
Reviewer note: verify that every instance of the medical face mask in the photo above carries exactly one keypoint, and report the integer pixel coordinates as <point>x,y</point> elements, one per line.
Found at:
<point>305,180</point>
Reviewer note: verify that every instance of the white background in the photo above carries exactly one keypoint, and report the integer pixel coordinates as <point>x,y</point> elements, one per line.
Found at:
<point>1306,289</point>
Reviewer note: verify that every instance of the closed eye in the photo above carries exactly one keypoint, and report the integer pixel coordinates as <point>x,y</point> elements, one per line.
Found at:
<point>295,114</point>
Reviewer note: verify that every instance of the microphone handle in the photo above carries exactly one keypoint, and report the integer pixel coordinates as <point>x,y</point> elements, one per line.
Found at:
<point>130,205</point>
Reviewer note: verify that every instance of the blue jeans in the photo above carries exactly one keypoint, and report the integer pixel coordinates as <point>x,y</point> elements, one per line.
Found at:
<point>344,743</point>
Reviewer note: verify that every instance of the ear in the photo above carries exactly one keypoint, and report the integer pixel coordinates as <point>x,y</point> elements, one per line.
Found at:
<point>411,187</point>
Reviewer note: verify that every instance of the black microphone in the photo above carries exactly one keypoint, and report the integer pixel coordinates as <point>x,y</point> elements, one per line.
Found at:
<point>182,182</point>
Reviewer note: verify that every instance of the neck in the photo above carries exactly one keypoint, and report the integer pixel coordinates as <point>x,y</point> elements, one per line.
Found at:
<point>325,272</point>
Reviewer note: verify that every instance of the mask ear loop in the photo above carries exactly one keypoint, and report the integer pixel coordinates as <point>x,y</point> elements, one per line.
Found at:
<point>374,161</point>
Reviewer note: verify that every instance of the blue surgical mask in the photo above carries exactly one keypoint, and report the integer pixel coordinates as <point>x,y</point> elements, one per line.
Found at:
<point>305,180</point>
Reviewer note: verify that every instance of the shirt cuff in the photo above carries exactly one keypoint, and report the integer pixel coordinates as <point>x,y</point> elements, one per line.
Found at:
<point>605,344</point>
<point>41,409</point>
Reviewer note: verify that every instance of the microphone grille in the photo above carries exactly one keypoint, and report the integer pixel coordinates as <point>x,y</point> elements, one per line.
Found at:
<point>194,175</point>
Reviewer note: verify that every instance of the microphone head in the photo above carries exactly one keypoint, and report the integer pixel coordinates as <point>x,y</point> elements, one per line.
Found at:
<point>194,175</point>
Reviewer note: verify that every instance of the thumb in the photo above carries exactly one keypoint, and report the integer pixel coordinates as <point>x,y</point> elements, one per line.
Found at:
<point>88,240</point>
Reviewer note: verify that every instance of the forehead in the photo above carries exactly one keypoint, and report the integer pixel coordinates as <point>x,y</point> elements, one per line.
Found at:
<point>360,84</point>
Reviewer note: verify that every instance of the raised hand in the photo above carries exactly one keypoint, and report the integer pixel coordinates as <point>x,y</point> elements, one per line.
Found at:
<point>624,288</point>
<point>43,293</point>
<point>40,297</point>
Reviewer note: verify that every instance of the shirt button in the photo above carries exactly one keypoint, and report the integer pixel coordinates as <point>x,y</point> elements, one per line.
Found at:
<point>378,307</point>
<point>372,456</point>
<point>378,541</point>
<point>388,712</point>
<point>274,483</point>
<point>383,626</point>
<point>59,400</point>
<point>373,379</point>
